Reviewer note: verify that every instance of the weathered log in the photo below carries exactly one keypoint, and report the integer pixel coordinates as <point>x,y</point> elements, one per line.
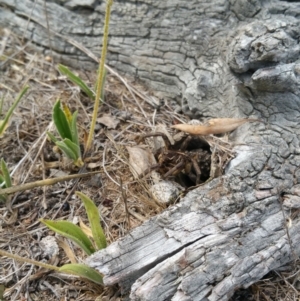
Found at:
<point>223,58</point>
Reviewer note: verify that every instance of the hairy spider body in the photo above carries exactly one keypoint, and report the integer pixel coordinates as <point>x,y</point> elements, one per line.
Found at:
<point>186,167</point>
<point>187,161</point>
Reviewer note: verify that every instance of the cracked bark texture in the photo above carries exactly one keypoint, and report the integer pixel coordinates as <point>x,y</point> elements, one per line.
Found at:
<point>223,58</point>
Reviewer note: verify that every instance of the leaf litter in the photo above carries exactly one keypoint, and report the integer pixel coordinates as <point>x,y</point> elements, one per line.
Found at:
<point>124,198</point>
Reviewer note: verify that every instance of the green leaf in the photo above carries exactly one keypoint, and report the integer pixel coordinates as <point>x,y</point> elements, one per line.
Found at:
<point>74,130</point>
<point>83,271</point>
<point>52,137</point>
<point>74,147</point>
<point>2,181</point>
<point>76,150</point>
<point>67,151</point>
<point>77,81</point>
<point>4,123</point>
<point>71,231</point>
<point>5,173</point>
<point>94,219</point>
<point>61,121</point>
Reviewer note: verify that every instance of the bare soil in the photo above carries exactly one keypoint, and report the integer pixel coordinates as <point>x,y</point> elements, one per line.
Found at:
<point>124,201</point>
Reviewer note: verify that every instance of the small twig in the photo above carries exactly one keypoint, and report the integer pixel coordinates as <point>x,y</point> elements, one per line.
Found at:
<point>11,57</point>
<point>31,185</point>
<point>70,193</point>
<point>287,283</point>
<point>157,134</point>
<point>124,197</point>
<point>44,203</point>
<point>43,136</point>
<point>27,260</point>
<point>104,168</point>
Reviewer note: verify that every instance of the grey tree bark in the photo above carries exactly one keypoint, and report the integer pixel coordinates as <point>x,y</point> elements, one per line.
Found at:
<point>222,58</point>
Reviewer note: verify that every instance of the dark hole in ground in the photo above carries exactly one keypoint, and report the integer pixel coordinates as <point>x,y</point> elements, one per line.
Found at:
<point>243,295</point>
<point>187,162</point>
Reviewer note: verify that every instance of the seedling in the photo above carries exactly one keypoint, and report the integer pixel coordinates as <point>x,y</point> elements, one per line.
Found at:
<point>4,122</point>
<point>77,235</point>
<point>99,94</point>
<point>77,269</point>
<point>66,126</point>
<point>81,84</point>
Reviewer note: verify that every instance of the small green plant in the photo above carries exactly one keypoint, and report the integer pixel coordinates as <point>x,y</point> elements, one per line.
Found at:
<point>80,270</point>
<point>77,81</point>
<point>96,96</point>
<point>66,125</point>
<point>4,122</point>
<point>77,235</point>
<point>5,179</point>
<point>81,84</point>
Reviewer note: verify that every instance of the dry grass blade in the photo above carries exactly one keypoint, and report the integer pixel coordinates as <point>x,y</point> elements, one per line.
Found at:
<point>214,126</point>
<point>65,246</point>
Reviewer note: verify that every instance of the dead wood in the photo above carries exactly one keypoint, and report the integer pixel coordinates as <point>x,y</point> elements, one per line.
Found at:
<point>225,58</point>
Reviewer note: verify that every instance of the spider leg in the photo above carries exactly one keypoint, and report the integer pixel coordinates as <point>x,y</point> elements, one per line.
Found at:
<point>185,143</point>
<point>148,170</point>
<point>197,170</point>
<point>177,167</point>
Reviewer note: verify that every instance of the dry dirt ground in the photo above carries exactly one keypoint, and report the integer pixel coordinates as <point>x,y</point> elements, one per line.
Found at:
<point>124,201</point>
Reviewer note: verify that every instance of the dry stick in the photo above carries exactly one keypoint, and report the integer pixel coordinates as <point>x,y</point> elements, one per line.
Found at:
<point>27,260</point>
<point>43,173</point>
<point>31,185</point>
<point>81,171</point>
<point>287,283</point>
<point>28,20</point>
<point>44,203</point>
<point>125,203</point>
<point>34,160</point>
<point>19,285</point>
<point>104,168</point>
<point>32,147</point>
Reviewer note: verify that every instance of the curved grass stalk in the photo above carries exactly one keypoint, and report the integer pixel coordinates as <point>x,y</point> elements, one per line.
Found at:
<point>101,73</point>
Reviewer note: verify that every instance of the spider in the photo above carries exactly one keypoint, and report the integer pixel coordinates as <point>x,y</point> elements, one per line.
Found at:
<point>187,161</point>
